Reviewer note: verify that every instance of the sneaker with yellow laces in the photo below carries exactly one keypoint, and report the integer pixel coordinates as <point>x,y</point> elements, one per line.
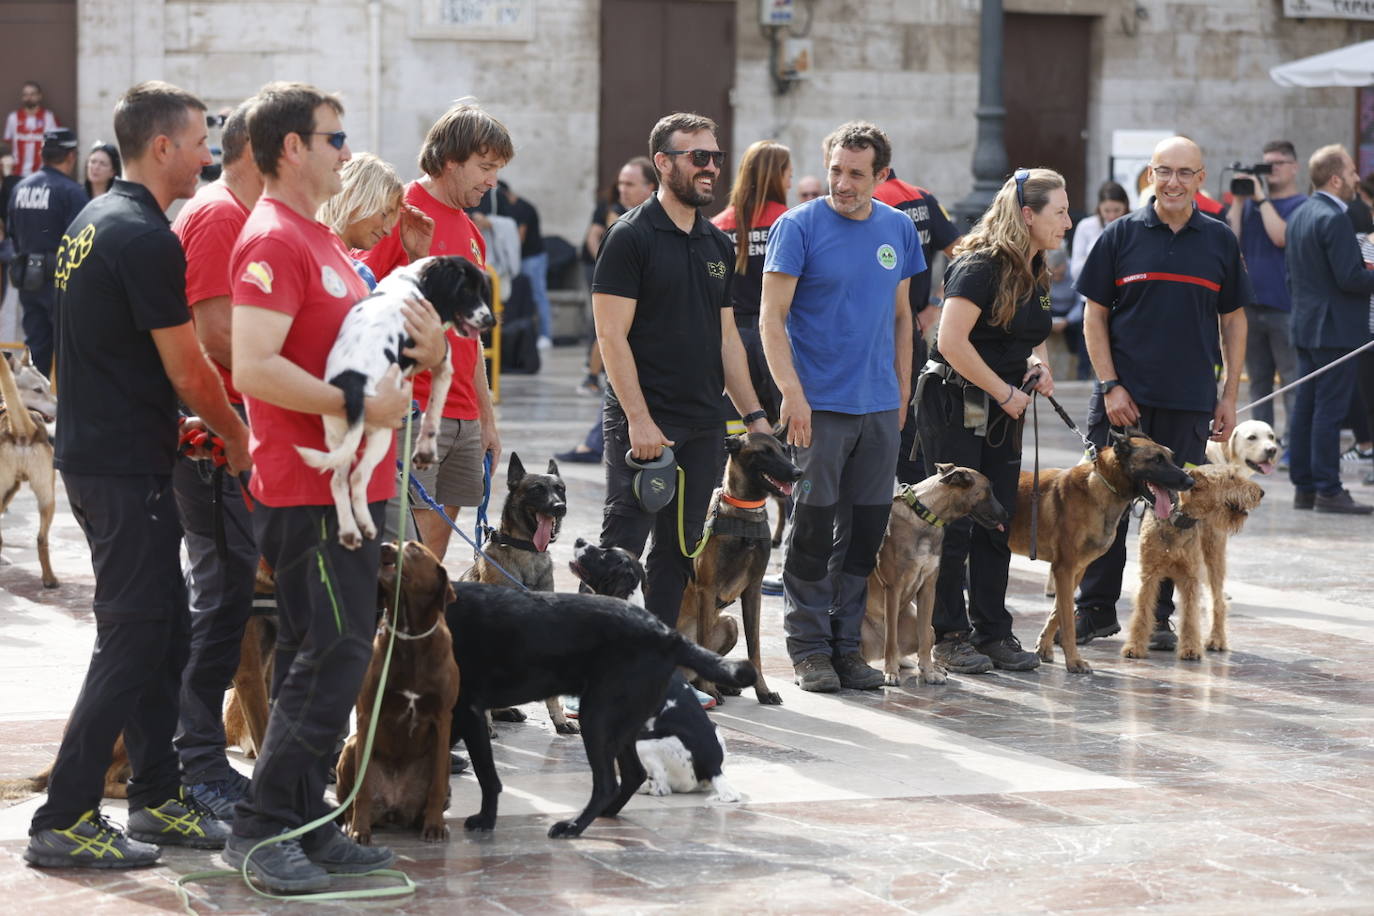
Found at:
<point>92,842</point>
<point>179,821</point>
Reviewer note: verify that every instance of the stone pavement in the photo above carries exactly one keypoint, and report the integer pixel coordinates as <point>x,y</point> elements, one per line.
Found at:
<point>1234,784</point>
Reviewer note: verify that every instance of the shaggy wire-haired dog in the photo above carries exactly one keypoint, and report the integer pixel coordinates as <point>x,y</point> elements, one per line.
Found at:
<point>1180,547</point>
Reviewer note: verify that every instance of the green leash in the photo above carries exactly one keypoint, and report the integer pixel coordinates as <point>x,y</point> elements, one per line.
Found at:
<point>681,531</point>
<point>407,886</point>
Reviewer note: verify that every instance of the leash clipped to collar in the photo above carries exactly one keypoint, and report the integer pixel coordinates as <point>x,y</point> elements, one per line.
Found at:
<point>907,493</point>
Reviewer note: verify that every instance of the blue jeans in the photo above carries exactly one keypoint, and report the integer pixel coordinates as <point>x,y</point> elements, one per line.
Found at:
<point>536,267</point>
<point>1314,431</point>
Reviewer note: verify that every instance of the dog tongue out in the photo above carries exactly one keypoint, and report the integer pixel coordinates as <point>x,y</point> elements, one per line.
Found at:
<point>544,533</point>
<point>784,486</point>
<point>1266,467</point>
<point>1163,505</point>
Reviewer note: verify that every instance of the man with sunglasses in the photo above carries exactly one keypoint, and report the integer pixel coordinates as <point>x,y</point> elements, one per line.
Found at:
<point>1165,288</point>
<point>661,298</point>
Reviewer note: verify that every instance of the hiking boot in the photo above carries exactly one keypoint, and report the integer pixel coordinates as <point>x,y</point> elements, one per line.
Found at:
<point>772,585</point>
<point>221,795</point>
<point>339,855</point>
<point>1006,653</point>
<point>180,821</point>
<point>92,842</point>
<point>1164,639</point>
<point>855,673</point>
<point>1341,503</point>
<point>1304,499</point>
<point>282,868</point>
<point>1089,624</point>
<point>816,674</point>
<point>955,653</point>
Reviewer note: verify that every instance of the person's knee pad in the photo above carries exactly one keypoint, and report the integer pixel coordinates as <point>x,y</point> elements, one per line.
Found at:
<point>867,526</point>
<point>813,536</point>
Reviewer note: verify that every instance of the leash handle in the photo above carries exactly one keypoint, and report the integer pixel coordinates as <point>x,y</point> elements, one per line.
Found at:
<point>480,525</point>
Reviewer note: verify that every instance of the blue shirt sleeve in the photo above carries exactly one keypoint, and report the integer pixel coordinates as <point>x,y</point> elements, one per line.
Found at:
<point>1098,280</point>
<point>914,261</point>
<point>786,253</point>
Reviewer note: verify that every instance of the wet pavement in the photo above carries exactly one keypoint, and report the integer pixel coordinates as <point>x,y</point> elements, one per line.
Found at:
<point>1237,783</point>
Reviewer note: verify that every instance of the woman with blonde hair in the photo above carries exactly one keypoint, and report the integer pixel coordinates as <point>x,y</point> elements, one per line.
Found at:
<point>989,351</point>
<point>759,197</point>
<point>368,206</point>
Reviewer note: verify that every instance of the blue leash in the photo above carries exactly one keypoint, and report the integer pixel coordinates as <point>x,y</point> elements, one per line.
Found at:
<point>481,524</point>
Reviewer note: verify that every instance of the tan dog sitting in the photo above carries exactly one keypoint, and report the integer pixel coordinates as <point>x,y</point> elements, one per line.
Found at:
<point>1192,539</point>
<point>901,588</point>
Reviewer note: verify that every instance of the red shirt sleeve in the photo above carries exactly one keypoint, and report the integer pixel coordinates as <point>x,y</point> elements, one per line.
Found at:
<point>268,276</point>
<point>208,254</point>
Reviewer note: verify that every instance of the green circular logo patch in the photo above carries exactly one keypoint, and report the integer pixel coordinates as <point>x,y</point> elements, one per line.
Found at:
<point>887,256</point>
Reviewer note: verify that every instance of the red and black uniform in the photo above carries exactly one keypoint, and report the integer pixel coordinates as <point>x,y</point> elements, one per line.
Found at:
<point>747,298</point>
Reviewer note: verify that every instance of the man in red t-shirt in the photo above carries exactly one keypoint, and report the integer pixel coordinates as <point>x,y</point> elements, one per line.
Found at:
<point>292,284</point>
<point>209,501</point>
<point>25,127</point>
<point>461,156</point>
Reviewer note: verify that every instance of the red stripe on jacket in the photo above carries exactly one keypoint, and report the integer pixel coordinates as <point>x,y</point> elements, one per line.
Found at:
<point>1172,278</point>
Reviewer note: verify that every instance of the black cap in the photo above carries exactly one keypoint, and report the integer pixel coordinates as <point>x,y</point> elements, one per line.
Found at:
<point>61,138</point>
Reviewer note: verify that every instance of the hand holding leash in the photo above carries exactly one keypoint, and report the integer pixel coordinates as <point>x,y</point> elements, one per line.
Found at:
<point>647,440</point>
<point>1223,419</point>
<point>426,328</point>
<point>1040,379</point>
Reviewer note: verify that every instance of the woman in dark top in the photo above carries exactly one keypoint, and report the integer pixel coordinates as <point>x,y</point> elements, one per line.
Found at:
<point>990,343</point>
<point>102,168</point>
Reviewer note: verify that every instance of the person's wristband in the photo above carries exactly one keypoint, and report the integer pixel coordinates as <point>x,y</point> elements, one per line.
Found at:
<point>1011,393</point>
<point>756,415</point>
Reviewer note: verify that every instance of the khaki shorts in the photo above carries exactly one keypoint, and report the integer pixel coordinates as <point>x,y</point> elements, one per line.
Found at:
<point>455,478</point>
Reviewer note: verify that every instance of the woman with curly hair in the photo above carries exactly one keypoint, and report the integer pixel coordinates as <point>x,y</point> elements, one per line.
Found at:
<point>991,343</point>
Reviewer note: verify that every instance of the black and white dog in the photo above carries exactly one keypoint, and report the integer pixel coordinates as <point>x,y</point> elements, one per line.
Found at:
<point>681,748</point>
<point>370,340</point>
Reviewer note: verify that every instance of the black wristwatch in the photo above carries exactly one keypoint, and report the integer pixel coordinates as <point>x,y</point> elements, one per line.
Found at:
<point>1109,384</point>
<point>756,415</point>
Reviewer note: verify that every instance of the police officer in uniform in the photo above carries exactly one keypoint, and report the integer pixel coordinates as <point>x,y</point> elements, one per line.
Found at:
<point>41,208</point>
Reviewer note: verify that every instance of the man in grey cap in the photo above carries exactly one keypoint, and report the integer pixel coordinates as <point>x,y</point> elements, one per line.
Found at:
<point>41,208</point>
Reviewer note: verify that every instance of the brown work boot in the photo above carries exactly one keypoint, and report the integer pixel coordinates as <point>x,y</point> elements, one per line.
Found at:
<point>816,674</point>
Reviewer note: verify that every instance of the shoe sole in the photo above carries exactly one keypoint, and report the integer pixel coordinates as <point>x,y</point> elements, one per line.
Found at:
<point>56,860</point>
<point>772,592</point>
<point>822,687</point>
<point>354,868</point>
<point>176,839</point>
<point>1017,666</point>
<point>276,885</point>
<point>977,668</point>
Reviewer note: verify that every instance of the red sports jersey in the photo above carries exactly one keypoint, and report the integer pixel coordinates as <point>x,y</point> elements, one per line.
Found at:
<point>208,226</point>
<point>24,131</point>
<point>296,266</point>
<point>454,233</point>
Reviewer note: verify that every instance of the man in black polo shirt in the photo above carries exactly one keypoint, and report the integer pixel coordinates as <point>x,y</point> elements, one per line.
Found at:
<point>1165,289</point>
<point>126,350</point>
<point>661,297</point>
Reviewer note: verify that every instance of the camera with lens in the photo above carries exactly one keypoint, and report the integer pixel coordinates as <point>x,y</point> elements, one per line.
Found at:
<point>1244,186</point>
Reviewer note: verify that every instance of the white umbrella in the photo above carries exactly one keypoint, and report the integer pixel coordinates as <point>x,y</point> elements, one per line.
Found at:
<point>1352,66</point>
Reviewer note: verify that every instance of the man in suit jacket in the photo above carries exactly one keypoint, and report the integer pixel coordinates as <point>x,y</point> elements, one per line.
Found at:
<point>1330,287</point>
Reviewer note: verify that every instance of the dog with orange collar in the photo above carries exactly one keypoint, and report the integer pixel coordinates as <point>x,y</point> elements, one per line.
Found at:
<point>733,561</point>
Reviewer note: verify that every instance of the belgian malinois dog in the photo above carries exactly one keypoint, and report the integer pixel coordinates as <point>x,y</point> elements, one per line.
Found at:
<point>732,565</point>
<point>1080,508</point>
<point>901,588</point>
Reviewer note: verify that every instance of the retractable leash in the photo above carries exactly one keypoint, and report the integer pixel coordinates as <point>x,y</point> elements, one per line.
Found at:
<point>1311,375</point>
<point>407,886</point>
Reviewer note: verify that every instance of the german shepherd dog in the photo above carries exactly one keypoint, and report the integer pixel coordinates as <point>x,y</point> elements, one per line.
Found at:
<point>514,647</point>
<point>407,778</point>
<point>735,558</point>
<point>1080,508</point>
<point>26,455</point>
<point>370,341</point>
<point>535,507</point>
<point>901,588</point>
<point>1179,546</point>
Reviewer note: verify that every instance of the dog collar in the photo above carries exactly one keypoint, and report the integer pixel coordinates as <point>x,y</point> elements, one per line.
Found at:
<point>1105,482</point>
<point>1182,521</point>
<point>505,540</point>
<point>743,503</point>
<point>908,496</point>
<point>401,634</point>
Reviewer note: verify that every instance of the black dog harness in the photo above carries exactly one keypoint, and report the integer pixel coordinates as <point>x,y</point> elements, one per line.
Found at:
<point>751,525</point>
<point>505,540</point>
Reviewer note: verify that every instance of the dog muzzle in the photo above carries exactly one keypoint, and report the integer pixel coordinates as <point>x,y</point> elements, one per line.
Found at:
<point>655,482</point>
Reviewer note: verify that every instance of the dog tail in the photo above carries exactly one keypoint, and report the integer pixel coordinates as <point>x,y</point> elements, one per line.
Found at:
<point>353,384</point>
<point>21,788</point>
<point>711,666</point>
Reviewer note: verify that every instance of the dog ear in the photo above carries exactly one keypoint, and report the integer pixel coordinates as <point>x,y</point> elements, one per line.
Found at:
<point>515,471</point>
<point>553,467</point>
<point>444,593</point>
<point>733,444</point>
<point>27,358</point>
<point>957,477</point>
<point>943,467</point>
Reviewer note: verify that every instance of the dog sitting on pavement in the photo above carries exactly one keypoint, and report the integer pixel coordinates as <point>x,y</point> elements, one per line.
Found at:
<point>1181,546</point>
<point>732,564</point>
<point>26,454</point>
<point>1079,510</point>
<point>407,778</point>
<point>681,748</point>
<point>371,340</point>
<point>1252,446</point>
<point>901,588</point>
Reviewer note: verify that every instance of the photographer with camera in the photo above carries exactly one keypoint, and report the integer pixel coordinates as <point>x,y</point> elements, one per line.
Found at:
<point>1266,194</point>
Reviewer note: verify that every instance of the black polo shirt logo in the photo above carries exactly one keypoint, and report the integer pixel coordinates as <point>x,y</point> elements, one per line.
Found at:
<point>72,252</point>
<point>1045,302</point>
<point>716,269</point>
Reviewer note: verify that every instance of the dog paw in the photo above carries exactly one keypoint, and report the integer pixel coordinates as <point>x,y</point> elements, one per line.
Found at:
<point>726,690</point>
<point>508,714</point>
<point>50,583</point>
<point>1077,666</point>
<point>1046,653</point>
<point>361,837</point>
<point>1131,650</point>
<point>567,728</point>
<point>1217,644</point>
<point>423,458</point>
<point>479,821</point>
<point>1189,653</point>
<point>351,540</point>
<point>891,679</point>
<point>435,833</point>
<point>934,676</point>
<point>369,530</point>
<point>564,829</point>
<point>768,698</point>
<point>655,787</point>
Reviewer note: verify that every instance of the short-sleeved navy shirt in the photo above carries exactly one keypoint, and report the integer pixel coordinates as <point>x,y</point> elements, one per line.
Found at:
<point>121,274</point>
<point>680,281</point>
<point>1165,291</point>
<point>976,277</point>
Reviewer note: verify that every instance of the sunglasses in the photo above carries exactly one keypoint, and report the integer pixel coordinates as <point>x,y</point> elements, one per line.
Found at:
<point>1021,176</point>
<point>700,156</point>
<point>337,139</point>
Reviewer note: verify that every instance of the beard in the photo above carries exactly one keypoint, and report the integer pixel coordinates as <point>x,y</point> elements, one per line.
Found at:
<point>683,186</point>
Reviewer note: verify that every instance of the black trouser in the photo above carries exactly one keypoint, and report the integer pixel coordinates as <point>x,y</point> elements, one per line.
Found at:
<point>910,467</point>
<point>699,452</point>
<point>221,586</point>
<point>1184,431</point>
<point>142,632</point>
<point>37,309</point>
<point>326,618</point>
<point>998,456</point>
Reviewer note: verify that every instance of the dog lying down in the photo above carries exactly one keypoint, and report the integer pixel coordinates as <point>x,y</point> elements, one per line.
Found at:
<point>681,748</point>
<point>516,647</point>
<point>371,340</point>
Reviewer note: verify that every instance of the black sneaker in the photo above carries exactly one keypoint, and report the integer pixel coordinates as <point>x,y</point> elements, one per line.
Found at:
<point>1006,653</point>
<point>180,821</point>
<point>92,842</point>
<point>1089,624</point>
<point>855,673</point>
<point>282,867</point>
<point>955,653</point>
<point>1342,504</point>
<point>816,674</point>
<point>339,855</point>
<point>772,585</point>
<point>1304,499</point>
<point>1163,638</point>
<point>221,795</point>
